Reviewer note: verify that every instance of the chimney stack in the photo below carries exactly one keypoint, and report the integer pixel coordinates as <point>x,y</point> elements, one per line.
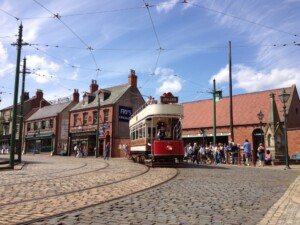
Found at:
<point>93,86</point>
<point>132,78</point>
<point>75,96</point>
<point>39,94</point>
<point>26,96</point>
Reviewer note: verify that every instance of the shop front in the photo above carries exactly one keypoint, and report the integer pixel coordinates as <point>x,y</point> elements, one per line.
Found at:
<point>86,141</point>
<point>39,142</point>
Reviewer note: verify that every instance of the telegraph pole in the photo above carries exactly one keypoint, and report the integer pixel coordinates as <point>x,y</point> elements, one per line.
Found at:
<point>21,112</point>
<point>14,114</point>
<point>230,94</point>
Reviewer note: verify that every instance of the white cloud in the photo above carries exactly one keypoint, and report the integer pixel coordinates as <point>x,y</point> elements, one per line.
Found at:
<point>168,81</point>
<point>45,68</point>
<point>251,80</point>
<point>221,76</point>
<point>166,6</point>
<point>5,66</point>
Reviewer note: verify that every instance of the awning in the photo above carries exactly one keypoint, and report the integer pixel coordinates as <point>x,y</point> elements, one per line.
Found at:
<point>35,136</point>
<point>203,136</point>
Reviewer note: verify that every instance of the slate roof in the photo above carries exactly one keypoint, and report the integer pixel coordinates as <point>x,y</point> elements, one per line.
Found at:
<point>116,93</point>
<point>245,109</point>
<point>49,111</point>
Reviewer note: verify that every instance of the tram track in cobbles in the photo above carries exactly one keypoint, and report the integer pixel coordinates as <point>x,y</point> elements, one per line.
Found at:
<point>56,177</point>
<point>39,176</point>
<point>199,195</point>
<point>48,206</point>
<point>54,187</point>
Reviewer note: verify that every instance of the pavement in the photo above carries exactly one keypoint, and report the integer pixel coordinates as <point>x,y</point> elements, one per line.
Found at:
<point>68,190</point>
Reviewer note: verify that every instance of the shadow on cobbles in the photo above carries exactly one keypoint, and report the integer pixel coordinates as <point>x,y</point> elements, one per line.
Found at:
<point>195,166</point>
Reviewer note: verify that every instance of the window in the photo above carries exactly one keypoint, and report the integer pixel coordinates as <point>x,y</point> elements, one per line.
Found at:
<point>95,114</point>
<point>5,129</point>
<point>43,124</point>
<point>35,126</point>
<point>85,118</point>
<point>75,120</point>
<point>28,126</point>
<point>51,123</point>
<point>106,115</point>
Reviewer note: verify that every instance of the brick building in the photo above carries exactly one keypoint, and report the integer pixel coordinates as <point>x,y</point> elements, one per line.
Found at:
<point>46,130</point>
<point>115,106</point>
<point>198,120</point>
<point>30,104</point>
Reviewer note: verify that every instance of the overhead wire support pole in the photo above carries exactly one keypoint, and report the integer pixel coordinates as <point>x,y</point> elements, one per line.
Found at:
<point>214,107</point>
<point>20,142</point>
<point>14,114</point>
<point>97,128</point>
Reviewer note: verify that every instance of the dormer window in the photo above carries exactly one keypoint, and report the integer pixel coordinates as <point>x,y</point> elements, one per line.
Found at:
<point>85,99</point>
<point>104,94</point>
<point>88,98</point>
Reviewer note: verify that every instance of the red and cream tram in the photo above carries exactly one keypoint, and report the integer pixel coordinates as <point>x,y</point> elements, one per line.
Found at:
<point>155,131</point>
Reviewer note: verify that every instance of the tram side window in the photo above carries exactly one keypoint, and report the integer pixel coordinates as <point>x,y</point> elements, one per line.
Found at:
<point>144,131</point>
<point>140,133</point>
<point>132,135</point>
<point>154,134</point>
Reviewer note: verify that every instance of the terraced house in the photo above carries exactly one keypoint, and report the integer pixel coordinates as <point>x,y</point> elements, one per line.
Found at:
<point>30,105</point>
<point>46,130</point>
<point>114,105</point>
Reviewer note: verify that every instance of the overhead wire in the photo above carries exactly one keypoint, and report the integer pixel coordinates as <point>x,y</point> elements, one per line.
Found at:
<point>69,28</point>
<point>11,15</point>
<point>239,18</point>
<point>153,26</point>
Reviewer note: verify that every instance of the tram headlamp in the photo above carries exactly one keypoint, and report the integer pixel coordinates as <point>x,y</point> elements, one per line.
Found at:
<point>169,147</point>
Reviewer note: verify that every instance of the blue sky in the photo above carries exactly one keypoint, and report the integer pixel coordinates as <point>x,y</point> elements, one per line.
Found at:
<point>172,45</point>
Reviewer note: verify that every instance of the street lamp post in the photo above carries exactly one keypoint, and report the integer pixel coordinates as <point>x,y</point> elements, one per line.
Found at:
<point>217,95</point>
<point>203,133</point>
<point>284,98</point>
<point>260,116</point>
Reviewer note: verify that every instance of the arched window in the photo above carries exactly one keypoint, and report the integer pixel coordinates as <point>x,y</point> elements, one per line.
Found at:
<point>269,140</point>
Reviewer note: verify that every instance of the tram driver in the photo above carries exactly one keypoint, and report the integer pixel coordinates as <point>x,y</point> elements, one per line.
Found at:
<point>161,132</point>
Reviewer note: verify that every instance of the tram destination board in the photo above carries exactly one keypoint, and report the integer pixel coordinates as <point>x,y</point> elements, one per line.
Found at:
<point>167,100</point>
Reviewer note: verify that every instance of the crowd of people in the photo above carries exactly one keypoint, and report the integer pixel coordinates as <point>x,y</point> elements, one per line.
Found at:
<point>226,153</point>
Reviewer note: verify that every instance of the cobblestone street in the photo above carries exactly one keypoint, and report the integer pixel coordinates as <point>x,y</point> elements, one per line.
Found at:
<point>118,191</point>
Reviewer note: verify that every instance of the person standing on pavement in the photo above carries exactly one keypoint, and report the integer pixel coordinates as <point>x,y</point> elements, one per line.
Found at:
<point>107,151</point>
<point>261,155</point>
<point>247,151</point>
